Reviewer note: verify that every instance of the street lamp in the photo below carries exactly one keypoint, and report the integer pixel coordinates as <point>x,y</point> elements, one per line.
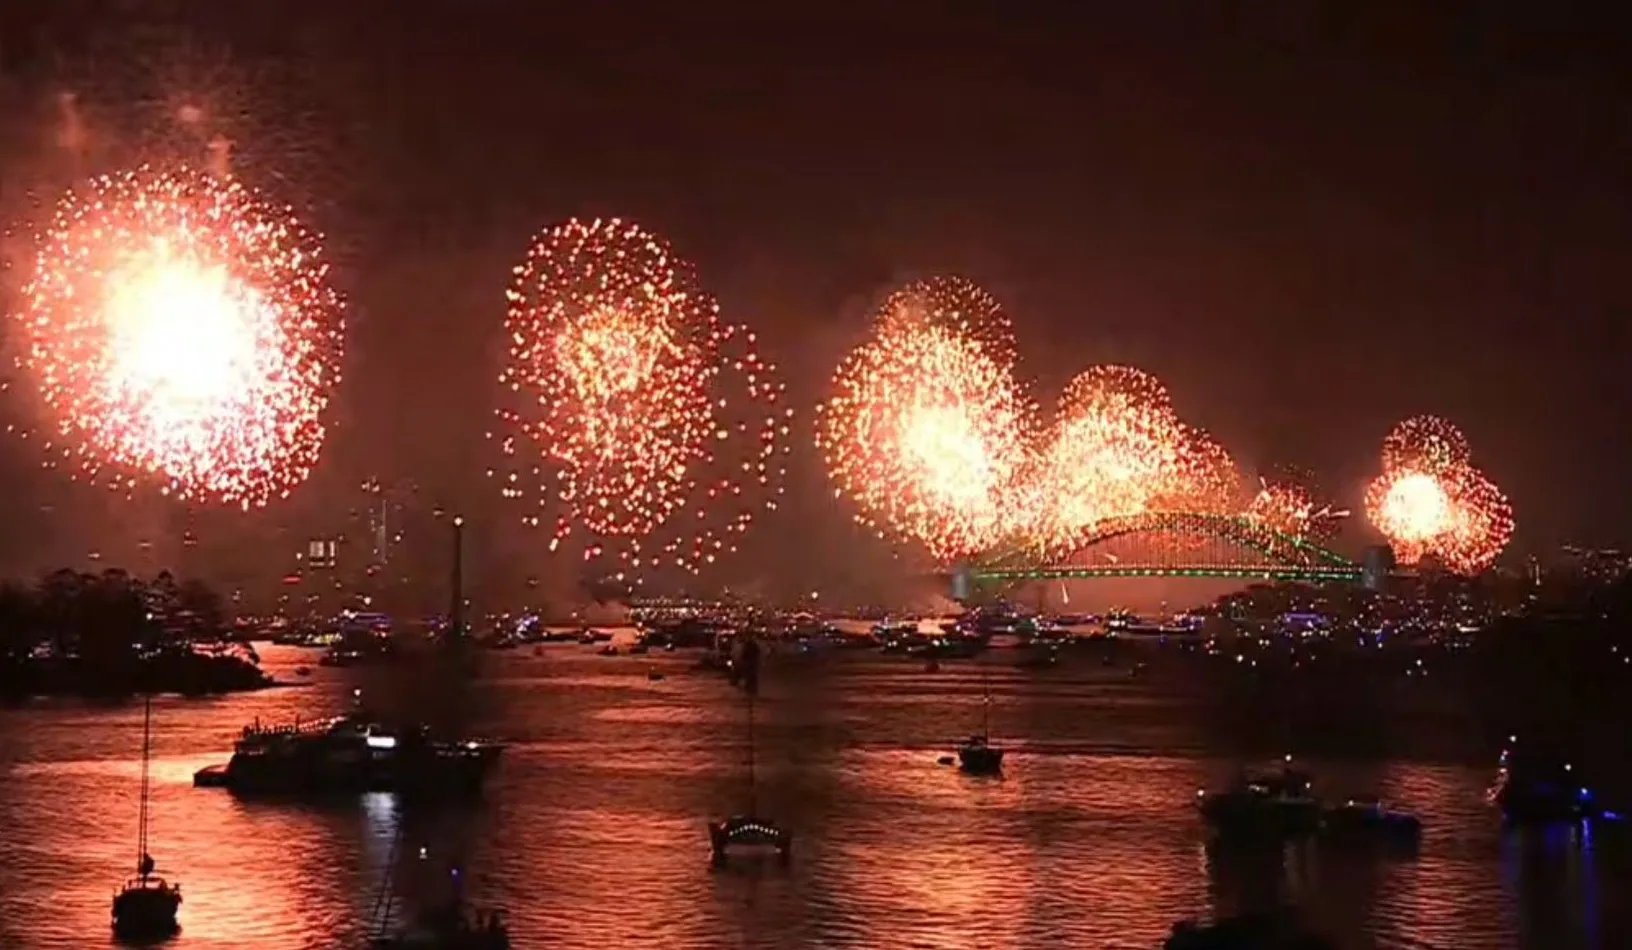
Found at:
<point>456,610</point>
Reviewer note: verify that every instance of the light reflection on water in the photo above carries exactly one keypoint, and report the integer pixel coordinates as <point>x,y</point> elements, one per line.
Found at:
<point>592,834</point>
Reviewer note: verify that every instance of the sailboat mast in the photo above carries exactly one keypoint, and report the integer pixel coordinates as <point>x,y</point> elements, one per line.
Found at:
<point>147,751</point>
<point>986,707</point>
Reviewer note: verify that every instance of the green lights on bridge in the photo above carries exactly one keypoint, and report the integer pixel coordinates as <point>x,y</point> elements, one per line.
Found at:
<point>1349,575</point>
<point>1251,551</point>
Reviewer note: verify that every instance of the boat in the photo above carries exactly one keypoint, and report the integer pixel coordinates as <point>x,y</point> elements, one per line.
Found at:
<point>1534,787</point>
<point>1366,817</point>
<point>977,755</point>
<point>1280,804</point>
<point>358,650</point>
<point>451,925</point>
<point>748,830</point>
<point>350,754</point>
<point>145,908</point>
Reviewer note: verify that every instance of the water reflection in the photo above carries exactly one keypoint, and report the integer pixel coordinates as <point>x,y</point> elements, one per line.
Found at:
<point>592,833</point>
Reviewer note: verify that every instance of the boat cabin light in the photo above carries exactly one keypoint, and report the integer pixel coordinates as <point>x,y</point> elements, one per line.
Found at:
<point>381,742</point>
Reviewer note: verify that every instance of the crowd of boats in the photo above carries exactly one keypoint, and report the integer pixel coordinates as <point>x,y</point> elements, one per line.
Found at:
<point>349,754</point>
<point>1532,787</point>
<point>359,752</point>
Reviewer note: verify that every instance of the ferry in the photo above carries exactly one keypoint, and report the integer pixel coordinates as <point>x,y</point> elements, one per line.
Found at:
<point>349,754</point>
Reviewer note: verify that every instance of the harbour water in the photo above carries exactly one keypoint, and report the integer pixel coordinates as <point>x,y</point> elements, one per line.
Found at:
<point>592,832</point>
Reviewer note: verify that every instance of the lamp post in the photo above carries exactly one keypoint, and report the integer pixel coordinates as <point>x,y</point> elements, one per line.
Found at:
<point>456,610</point>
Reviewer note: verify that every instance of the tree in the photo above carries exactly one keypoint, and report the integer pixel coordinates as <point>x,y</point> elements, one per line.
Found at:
<point>59,600</point>
<point>19,619</point>
<point>199,610</point>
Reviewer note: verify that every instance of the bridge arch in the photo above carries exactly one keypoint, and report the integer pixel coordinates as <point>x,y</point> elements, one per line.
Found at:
<point>1258,551</point>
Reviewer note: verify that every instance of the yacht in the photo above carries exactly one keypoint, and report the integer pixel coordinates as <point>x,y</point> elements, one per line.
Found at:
<point>350,754</point>
<point>1367,817</point>
<point>1279,804</point>
<point>145,908</point>
<point>1535,787</point>
<point>977,755</point>
<point>749,830</point>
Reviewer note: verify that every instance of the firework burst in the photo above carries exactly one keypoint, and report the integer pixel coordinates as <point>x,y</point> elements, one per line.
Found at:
<point>637,419</point>
<point>1288,502</point>
<point>927,429</point>
<point>180,328</point>
<point>1430,501</point>
<point>1117,448</point>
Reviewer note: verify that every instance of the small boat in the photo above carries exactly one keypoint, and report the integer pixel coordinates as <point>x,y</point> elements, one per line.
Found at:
<point>749,831</point>
<point>450,926</point>
<point>145,908</point>
<point>977,755</point>
<point>303,671</point>
<point>1365,817</point>
<point>654,676</point>
<point>740,832</point>
<point>1276,805</point>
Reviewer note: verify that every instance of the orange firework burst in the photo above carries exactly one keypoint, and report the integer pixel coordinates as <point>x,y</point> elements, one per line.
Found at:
<point>1431,501</point>
<point>1288,502</point>
<point>180,327</point>
<point>1117,448</point>
<point>639,419</point>
<point>927,429</point>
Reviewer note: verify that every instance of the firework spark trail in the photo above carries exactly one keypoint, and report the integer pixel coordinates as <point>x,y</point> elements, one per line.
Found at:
<point>637,419</point>
<point>179,327</point>
<point>926,429</point>
<point>1117,448</point>
<point>1430,501</point>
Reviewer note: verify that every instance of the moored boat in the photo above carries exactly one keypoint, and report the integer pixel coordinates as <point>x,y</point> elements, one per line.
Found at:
<point>146,906</point>
<point>1281,804</point>
<point>1364,817</point>
<point>977,755</point>
<point>351,754</point>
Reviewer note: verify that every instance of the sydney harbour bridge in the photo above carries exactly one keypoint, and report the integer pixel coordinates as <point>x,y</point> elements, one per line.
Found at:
<point>1177,544</point>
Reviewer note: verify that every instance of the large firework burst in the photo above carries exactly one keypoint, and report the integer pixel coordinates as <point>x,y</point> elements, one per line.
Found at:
<point>179,327</point>
<point>1117,448</point>
<point>1431,501</point>
<point>637,419</point>
<point>927,429</point>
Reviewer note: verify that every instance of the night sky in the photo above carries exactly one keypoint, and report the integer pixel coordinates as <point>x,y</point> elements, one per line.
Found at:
<point>1310,226</point>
